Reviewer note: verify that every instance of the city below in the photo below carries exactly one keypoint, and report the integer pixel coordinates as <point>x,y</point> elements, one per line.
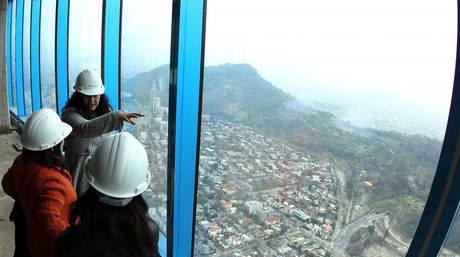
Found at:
<point>260,197</point>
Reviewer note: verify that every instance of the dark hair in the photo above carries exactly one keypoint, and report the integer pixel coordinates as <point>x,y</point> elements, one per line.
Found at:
<point>75,101</point>
<point>51,157</point>
<point>129,227</point>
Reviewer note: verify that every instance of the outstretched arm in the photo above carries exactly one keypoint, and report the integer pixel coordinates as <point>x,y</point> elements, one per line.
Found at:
<point>85,128</point>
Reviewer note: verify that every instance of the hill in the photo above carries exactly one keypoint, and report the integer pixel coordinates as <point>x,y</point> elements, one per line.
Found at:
<point>400,167</point>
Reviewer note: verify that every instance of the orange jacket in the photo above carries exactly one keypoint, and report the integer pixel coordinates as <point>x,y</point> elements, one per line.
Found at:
<point>45,195</point>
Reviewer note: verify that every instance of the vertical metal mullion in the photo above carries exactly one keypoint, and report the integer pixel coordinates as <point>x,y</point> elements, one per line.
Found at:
<point>188,76</point>
<point>35,55</point>
<point>119,53</point>
<point>172,124</point>
<point>18,54</point>
<point>111,50</point>
<point>61,62</point>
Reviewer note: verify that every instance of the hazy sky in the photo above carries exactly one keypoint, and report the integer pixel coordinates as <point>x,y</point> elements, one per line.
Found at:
<point>402,48</point>
<point>146,36</point>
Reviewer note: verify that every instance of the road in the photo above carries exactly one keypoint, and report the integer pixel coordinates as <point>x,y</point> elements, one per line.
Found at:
<point>342,239</point>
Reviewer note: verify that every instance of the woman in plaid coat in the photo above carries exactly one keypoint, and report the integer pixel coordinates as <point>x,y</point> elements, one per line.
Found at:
<point>89,113</point>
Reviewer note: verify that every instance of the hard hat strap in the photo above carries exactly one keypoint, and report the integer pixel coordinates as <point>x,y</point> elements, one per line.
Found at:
<point>118,202</point>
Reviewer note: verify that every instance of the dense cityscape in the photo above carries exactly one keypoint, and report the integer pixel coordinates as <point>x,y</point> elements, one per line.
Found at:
<point>256,195</point>
<point>260,196</point>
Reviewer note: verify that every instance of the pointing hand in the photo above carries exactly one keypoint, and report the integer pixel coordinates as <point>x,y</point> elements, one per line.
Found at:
<point>128,116</point>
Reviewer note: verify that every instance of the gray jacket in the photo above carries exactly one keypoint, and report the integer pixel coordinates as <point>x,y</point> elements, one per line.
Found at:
<point>87,133</point>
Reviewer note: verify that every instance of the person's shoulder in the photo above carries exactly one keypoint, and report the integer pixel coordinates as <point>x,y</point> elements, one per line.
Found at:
<point>17,160</point>
<point>46,174</point>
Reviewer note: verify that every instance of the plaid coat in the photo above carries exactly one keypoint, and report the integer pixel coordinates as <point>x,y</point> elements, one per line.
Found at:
<point>87,133</point>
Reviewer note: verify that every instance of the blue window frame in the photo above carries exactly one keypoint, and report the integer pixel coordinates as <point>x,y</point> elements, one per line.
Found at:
<point>186,67</point>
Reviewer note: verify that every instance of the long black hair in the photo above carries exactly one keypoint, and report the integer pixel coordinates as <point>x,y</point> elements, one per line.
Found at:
<point>76,102</point>
<point>51,157</point>
<point>129,227</point>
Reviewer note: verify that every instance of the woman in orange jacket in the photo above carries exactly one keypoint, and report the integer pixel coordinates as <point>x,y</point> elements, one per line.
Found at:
<point>39,182</point>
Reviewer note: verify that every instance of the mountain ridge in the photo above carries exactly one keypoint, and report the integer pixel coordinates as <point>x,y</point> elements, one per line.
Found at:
<point>400,166</point>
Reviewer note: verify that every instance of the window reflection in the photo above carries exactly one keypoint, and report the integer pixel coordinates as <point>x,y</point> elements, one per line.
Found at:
<point>26,58</point>
<point>322,125</point>
<point>145,44</point>
<point>47,55</point>
<point>85,26</point>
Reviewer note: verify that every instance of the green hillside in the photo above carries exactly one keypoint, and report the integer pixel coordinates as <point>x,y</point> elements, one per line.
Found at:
<point>400,167</point>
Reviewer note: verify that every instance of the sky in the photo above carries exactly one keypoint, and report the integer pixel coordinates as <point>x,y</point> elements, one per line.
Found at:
<point>146,36</point>
<point>329,50</point>
<point>399,48</point>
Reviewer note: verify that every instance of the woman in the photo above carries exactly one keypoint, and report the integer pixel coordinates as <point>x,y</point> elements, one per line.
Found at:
<point>89,113</point>
<point>38,181</point>
<point>111,217</point>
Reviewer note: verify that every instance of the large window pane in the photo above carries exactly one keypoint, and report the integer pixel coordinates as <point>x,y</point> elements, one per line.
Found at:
<point>85,26</point>
<point>26,58</point>
<point>145,43</point>
<point>452,245</point>
<point>322,124</point>
<point>47,56</point>
<point>14,105</point>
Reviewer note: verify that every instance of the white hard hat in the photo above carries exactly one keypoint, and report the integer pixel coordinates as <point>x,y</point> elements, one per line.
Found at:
<point>89,82</point>
<point>44,129</point>
<point>118,167</point>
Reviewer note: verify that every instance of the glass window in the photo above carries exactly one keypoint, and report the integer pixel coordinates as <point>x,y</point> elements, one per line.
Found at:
<point>47,55</point>
<point>322,124</point>
<point>85,27</point>
<point>14,105</point>
<point>145,44</point>
<point>451,247</point>
<point>26,58</point>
